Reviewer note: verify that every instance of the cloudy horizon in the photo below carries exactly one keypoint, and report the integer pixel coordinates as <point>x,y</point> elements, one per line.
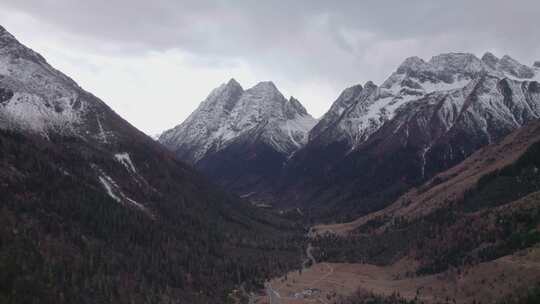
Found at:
<point>154,62</point>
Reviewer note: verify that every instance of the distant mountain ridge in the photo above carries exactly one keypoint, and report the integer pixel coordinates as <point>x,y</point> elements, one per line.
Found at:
<point>229,112</point>
<point>241,137</point>
<point>377,141</point>
<point>360,111</point>
<point>374,140</point>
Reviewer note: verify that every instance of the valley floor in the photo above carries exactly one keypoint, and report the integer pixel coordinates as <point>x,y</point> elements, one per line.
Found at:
<point>327,282</point>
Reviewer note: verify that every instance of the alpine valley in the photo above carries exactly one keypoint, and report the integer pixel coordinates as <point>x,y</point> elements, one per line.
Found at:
<point>422,189</point>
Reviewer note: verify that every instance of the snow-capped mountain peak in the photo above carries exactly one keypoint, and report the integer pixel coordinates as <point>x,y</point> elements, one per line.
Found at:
<point>10,45</point>
<point>39,99</point>
<point>508,66</point>
<point>266,87</point>
<point>345,101</point>
<point>490,59</point>
<point>354,117</point>
<point>230,113</point>
<point>370,85</point>
<point>413,63</point>
<point>512,67</point>
<point>293,107</point>
<point>36,98</point>
<point>457,63</point>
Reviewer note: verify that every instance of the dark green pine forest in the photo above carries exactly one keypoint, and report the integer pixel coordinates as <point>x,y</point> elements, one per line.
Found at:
<point>64,240</point>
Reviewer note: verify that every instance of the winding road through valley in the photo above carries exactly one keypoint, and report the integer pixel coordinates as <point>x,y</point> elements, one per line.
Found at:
<point>274,297</point>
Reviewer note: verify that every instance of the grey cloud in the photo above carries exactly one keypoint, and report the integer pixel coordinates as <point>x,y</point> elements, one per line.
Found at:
<point>304,39</point>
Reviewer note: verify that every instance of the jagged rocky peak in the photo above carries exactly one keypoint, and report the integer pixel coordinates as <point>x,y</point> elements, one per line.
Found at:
<point>265,86</point>
<point>293,107</point>
<point>361,111</point>
<point>349,93</point>
<point>536,64</point>
<point>452,67</point>
<point>490,59</point>
<point>224,97</point>
<point>336,114</point>
<point>233,83</point>
<point>232,87</point>
<point>344,100</point>
<point>457,62</point>
<point>265,93</point>
<point>43,100</point>
<point>370,85</point>
<point>413,63</point>
<point>10,46</point>
<point>448,62</point>
<point>4,34</point>
<point>511,66</point>
<point>507,66</point>
<point>445,68</point>
<point>6,37</point>
<point>230,112</point>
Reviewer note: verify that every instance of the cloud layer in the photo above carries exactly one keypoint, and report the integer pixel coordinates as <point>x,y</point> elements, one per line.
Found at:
<point>311,49</point>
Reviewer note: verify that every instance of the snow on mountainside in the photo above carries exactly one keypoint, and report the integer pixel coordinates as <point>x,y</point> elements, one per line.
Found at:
<point>229,113</point>
<point>35,97</point>
<point>378,141</point>
<point>359,112</point>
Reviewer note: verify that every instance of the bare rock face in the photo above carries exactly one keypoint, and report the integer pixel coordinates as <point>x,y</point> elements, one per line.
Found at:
<point>374,142</point>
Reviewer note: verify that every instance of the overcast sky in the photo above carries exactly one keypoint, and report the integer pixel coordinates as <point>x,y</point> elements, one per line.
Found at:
<point>155,61</point>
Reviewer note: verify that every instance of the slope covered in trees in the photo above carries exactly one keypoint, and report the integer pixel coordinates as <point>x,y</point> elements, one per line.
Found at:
<point>485,210</point>
<point>64,240</point>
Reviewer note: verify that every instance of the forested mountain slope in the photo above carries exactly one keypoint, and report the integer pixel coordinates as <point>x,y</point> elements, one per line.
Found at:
<point>94,211</point>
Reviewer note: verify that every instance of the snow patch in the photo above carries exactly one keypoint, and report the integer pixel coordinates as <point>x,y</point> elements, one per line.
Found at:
<point>125,160</point>
<point>114,191</point>
<point>25,111</point>
<point>246,195</point>
<point>298,129</point>
<point>44,99</point>
<point>102,136</point>
<point>108,183</point>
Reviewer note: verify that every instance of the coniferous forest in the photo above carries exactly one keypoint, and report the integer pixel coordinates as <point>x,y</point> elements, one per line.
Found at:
<point>62,240</point>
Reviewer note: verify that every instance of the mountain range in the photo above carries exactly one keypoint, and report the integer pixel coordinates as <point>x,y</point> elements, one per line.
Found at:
<point>374,143</point>
<point>426,184</point>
